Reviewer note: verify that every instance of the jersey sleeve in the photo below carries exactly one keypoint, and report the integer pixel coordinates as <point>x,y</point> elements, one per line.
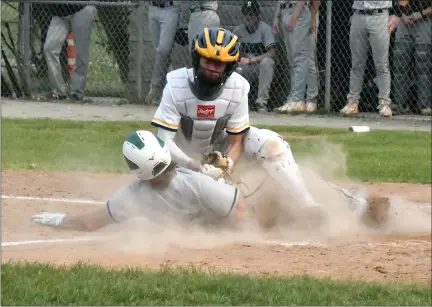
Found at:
<point>239,120</point>
<point>269,39</point>
<point>218,197</point>
<point>167,116</point>
<point>123,204</point>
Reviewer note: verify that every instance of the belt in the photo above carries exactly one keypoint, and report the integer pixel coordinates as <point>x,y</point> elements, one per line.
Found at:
<point>286,6</point>
<point>200,9</point>
<point>291,5</point>
<point>163,4</point>
<point>370,12</point>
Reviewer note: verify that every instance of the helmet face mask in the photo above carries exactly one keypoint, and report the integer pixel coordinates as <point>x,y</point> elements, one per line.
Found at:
<point>210,49</point>
<point>146,155</point>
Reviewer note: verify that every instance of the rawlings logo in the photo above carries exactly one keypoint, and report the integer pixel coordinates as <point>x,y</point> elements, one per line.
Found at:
<point>206,111</point>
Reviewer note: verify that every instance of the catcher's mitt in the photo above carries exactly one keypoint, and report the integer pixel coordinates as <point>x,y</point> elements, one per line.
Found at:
<point>218,160</point>
<point>377,212</point>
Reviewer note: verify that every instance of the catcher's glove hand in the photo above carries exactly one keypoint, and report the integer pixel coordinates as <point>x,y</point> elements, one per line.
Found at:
<point>218,160</point>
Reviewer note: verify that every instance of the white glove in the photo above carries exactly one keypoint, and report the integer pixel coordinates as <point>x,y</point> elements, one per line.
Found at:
<point>47,218</point>
<point>211,171</point>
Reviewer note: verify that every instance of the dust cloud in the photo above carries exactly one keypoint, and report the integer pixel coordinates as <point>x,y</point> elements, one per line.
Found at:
<point>271,219</point>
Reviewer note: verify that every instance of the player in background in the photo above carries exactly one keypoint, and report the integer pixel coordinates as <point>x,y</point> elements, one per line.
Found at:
<point>205,108</point>
<point>163,21</point>
<point>161,190</point>
<point>258,52</point>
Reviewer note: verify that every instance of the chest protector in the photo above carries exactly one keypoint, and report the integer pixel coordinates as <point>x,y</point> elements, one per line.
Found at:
<point>203,123</point>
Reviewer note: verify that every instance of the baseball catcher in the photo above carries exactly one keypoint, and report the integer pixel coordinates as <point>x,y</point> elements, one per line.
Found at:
<point>161,189</point>
<point>204,111</point>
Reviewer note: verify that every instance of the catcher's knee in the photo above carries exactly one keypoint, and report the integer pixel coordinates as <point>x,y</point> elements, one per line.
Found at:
<point>265,144</point>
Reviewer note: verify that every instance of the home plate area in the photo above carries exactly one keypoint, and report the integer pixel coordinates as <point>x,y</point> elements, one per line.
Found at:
<point>398,257</point>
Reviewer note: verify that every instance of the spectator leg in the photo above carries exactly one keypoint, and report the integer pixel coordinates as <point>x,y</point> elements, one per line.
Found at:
<point>154,18</point>
<point>423,60</point>
<point>402,58</point>
<point>379,38</point>
<point>359,45</point>
<point>82,22</point>
<point>57,32</point>
<point>198,21</point>
<point>312,81</point>
<point>289,53</point>
<point>266,73</point>
<point>297,38</point>
<point>169,22</point>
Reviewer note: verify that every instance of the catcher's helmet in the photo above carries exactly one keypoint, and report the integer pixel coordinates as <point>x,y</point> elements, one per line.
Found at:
<point>219,45</point>
<point>146,154</point>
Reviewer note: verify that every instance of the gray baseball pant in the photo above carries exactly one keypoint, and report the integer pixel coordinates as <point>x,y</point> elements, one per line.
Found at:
<point>370,30</point>
<point>164,23</point>
<point>413,61</point>
<point>80,23</point>
<point>296,43</point>
<point>312,80</point>
<point>199,20</point>
<point>264,72</point>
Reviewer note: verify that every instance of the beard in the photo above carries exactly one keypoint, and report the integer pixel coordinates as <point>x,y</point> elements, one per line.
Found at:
<point>210,76</point>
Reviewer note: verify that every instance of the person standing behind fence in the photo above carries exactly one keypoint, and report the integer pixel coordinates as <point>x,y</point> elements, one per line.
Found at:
<point>295,18</point>
<point>164,18</point>
<point>66,18</point>
<point>413,55</point>
<point>202,14</point>
<point>369,27</point>
<point>258,49</point>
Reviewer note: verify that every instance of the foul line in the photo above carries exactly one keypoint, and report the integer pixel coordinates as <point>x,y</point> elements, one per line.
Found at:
<point>28,242</point>
<point>98,202</point>
<point>274,243</point>
<point>61,200</point>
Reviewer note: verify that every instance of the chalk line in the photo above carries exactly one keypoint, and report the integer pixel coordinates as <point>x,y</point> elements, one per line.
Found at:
<point>28,242</point>
<point>279,243</point>
<point>421,205</point>
<point>366,244</point>
<point>61,200</point>
<point>291,244</point>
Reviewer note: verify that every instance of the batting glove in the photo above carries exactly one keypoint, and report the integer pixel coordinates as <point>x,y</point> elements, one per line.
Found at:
<point>47,218</point>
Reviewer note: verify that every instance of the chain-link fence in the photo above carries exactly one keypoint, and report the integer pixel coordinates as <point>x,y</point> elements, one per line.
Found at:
<point>106,50</point>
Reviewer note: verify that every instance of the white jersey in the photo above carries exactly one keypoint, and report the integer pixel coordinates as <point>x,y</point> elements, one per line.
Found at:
<point>202,125</point>
<point>190,194</point>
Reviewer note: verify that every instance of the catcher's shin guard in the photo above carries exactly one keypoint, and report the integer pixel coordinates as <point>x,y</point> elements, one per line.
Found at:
<point>279,163</point>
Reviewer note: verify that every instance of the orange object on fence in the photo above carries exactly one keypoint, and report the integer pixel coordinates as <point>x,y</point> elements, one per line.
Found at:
<point>71,53</point>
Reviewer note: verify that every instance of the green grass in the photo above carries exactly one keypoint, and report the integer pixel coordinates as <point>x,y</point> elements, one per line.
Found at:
<point>45,144</point>
<point>43,284</point>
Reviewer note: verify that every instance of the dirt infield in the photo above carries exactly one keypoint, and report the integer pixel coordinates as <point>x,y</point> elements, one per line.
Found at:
<point>399,256</point>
